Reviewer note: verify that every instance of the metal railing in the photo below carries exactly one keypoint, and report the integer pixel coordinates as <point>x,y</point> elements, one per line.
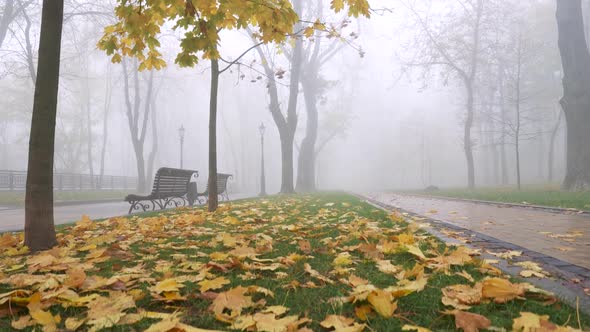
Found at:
<point>17,181</point>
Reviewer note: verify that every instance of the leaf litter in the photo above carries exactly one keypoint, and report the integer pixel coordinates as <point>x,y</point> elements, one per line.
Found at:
<point>153,272</point>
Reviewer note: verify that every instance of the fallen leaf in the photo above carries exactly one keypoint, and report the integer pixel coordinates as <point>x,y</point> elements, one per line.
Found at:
<point>501,290</point>
<point>214,284</point>
<point>470,322</point>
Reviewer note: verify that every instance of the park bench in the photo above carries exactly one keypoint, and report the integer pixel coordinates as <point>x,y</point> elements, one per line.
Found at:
<point>221,188</point>
<point>170,188</point>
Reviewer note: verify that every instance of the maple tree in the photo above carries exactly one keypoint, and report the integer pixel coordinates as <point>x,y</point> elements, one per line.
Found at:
<point>140,23</point>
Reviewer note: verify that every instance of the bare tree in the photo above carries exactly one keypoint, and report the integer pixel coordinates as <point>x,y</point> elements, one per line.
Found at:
<point>286,125</point>
<point>454,44</point>
<point>137,120</point>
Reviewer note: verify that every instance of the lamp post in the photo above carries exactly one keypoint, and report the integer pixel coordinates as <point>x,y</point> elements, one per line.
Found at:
<point>262,177</point>
<point>181,131</point>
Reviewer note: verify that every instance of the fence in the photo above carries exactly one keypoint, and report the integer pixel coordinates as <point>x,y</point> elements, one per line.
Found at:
<point>17,181</point>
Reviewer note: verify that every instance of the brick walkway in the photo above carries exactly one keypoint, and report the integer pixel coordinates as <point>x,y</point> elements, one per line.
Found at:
<point>560,235</point>
<point>560,242</point>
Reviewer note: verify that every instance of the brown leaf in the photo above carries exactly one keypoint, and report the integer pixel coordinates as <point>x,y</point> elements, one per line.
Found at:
<point>470,322</point>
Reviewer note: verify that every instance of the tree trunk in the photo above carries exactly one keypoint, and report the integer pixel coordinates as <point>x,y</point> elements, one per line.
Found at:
<point>133,116</point>
<point>105,120</point>
<point>89,131</point>
<point>576,100</point>
<point>39,225</point>
<point>503,119</point>
<point>467,143</point>
<point>518,115</point>
<point>154,152</point>
<point>306,165</point>
<point>212,181</point>
<point>551,157</point>
<point>7,17</point>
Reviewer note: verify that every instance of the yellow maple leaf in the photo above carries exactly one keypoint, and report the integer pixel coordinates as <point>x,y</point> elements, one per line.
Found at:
<point>382,302</point>
<point>501,290</point>
<point>216,283</point>
<point>167,285</point>
<point>342,324</point>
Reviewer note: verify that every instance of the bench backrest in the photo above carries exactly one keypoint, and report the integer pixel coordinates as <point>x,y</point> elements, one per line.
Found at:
<point>221,183</point>
<point>170,182</point>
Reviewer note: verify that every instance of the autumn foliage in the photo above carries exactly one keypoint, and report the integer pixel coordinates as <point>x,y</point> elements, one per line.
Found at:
<point>282,264</point>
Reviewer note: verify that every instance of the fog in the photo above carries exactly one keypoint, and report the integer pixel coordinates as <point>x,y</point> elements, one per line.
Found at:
<point>390,115</point>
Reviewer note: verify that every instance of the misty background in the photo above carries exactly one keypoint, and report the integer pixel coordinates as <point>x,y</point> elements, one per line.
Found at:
<point>387,119</point>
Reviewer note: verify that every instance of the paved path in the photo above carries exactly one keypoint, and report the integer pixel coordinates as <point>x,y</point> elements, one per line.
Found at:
<point>563,236</point>
<point>12,219</point>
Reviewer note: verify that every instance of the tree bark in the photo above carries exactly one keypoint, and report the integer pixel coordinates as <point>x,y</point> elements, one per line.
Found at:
<point>133,118</point>
<point>154,151</point>
<point>286,125</point>
<point>503,119</point>
<point>212,181</point>
<point>576,99</point>
<point>307,154</point>
<point>467,142</point>
<point>551,157</point>
<point>469,85</point>
<point>39,223</point>
<point>105,124</point>
<point>89,131</point>
<point>518,115</point>
<point>7,17</point>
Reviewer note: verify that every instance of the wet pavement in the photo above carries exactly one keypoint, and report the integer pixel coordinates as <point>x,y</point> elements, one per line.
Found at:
<point>12,219</point>
<point>565,236</point>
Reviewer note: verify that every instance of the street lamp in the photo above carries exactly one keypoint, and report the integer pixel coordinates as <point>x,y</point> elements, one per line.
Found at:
<point>262,177</point>
<point>181,131</point>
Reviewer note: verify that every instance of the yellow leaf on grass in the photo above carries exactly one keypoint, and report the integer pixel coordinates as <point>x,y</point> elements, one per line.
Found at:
<point>415,328</point>
<point>363,312</point>
<point>501,290</point>
<point>382,302</point>
<point>216,283</point>
<point>528,321</point>
<point>234,300</point>
<point>405,287</point>
<point>342,324</point>
<point>412,249</point>
<point>166,285</point>
<point>461,296</point>
<point>343,259</point>
<point>385,266</point>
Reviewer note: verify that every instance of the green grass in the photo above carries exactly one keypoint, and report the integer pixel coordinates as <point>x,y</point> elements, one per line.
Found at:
<point>331,222</point>
<point>18,198</point>
<point>534,196</point>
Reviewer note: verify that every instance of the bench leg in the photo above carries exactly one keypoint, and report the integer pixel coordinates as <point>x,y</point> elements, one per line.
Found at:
<point>133,206</point>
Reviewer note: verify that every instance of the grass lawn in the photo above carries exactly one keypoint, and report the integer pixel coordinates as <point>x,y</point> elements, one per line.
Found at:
<point>18,198</point>
<point>534,195</point>
<point>316,262</point>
